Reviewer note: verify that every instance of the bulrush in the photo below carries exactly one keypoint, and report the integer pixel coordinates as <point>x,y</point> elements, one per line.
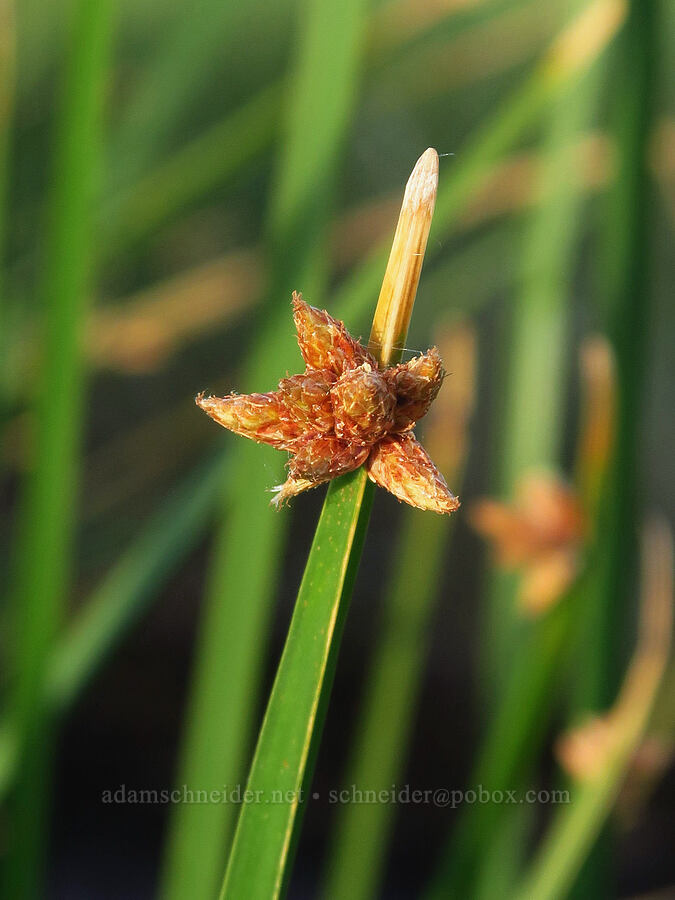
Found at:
<point>353,405</point>
<point>344,411</point>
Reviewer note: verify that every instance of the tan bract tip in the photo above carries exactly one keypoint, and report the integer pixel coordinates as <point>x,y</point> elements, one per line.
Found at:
<point>423,182</point>
<point>402,275</point>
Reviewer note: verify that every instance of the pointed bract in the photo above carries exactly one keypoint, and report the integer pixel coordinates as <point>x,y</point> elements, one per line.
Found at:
<point>326,457</point>
<point>416,384</point>
<point>324,341</point>
<point>291,488</point>
<point>317,461</point>
<point>261,417</point>
<point>363,405</point>
<point>307,398</point>
<point>401,465</point>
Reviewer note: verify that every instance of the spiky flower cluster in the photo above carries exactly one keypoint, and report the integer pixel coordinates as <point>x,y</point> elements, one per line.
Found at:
<point>342,412</point>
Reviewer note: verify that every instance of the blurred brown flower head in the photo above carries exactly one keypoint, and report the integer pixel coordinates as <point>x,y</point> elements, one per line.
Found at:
<point>540,534</point>
<point>342,412</point>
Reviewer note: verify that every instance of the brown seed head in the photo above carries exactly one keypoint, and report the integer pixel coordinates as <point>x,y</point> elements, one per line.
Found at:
<point>416,384</point>
<point>308,399</point>
<point>363,405</point>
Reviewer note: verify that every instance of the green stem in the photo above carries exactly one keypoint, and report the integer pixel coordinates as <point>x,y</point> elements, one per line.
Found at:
<point>357,855</point>
<point>264,842</point>
<point>267,831</point>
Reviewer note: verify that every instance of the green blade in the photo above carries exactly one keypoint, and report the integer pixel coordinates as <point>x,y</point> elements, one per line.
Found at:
<point>114,607</point>
<point>576,824</point>
<point>263,843</point>
<point>357,856</point>
<point>47,521</point>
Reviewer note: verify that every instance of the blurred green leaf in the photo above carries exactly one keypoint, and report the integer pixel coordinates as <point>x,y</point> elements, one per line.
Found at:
<point>197,168</point>
<point>112,609</point>
<point>509,748</point>
<point>623,277</point>
<point>520,660</point>
<point>208,160</point>
<point>539,332</point>
<point>187,56</point>
<point>47,519</point>
<point>137,576</point>
<point>624,289</point>
<point>577,823</point>
<point>7,51</point>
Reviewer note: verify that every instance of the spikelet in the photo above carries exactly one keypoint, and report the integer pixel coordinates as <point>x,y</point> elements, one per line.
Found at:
<point>363,405</point>
<point>416,384</point>
<point>307,399</point>
<point>401,465</point>
<point>324,341</point>
<point>261,417</point>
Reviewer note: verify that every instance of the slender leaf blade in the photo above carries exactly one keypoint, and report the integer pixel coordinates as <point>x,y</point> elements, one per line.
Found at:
<point>118,602</point>
<point>263,840</point>
<point>46,527</point>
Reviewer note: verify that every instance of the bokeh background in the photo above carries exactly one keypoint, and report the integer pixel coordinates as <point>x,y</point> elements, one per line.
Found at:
<point>169,173</point>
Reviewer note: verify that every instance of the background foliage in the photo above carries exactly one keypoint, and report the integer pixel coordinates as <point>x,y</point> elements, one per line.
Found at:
<point>168,175</point>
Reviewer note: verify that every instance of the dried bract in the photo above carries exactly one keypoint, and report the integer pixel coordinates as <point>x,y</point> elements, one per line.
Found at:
<point>415,384</point>
<point>401,465</point>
